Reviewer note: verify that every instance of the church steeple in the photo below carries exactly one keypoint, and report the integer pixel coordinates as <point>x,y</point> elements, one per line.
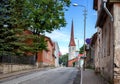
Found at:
<point>72,42</point>
<point>72,47</point>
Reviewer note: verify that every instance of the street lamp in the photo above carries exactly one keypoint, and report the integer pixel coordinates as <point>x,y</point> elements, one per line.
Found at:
<point>85,14</point>
<point>5,25</point>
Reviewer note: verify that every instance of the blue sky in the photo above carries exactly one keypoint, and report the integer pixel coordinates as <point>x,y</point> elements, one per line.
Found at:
<point>62,36</point>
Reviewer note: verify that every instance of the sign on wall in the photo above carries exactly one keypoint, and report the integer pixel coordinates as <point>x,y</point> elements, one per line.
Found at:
<point>88,40</point>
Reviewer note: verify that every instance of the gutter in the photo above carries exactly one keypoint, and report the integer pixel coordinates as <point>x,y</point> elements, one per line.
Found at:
<point>107,11</point>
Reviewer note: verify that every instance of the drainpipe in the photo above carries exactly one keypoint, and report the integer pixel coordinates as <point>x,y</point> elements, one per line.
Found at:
<point>107,11</point>
<point>110,15</point>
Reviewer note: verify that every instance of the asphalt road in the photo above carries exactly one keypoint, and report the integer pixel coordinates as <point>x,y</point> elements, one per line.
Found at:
<point>63,75</point>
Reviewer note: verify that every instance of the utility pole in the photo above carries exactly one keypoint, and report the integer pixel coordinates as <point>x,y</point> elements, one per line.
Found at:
<point>85,14</point>
<point>84,57</point>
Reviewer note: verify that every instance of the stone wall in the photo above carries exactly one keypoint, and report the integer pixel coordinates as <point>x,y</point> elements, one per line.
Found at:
<point>7,68</point>
<point>106,59</point>
<point>97,49</point>
<point>104,50</point>
<point>109,50</point>
<point>117,43</point>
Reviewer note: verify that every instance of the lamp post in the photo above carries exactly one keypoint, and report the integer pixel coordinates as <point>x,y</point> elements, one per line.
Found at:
<point>85,14</point>
<point>83,58</point>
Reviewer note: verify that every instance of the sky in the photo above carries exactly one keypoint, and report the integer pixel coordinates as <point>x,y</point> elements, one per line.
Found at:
<point>62,36</point>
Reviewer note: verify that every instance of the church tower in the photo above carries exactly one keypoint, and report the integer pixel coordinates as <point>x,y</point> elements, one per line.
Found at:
<point>72,45</point>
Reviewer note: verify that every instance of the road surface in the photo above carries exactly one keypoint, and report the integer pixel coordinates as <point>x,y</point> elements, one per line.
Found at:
<point>63,75</point>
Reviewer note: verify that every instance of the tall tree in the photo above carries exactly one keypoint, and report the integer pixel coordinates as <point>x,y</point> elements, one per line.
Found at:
<point>12,26</point>
<point>46,15</point>
<point>39,16</point>
<point>64,59</point>
<point>5,27</point>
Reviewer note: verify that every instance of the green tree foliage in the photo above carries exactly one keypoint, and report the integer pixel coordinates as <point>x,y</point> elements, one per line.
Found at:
<point>46,15</point>
<point>12,35</point>
<point>81,50</point>
<point>64,60</point>
<point>5,32</point>
<point>38,16</point>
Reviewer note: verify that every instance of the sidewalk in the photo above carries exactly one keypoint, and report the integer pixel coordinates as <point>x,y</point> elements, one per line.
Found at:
<point>89,77</point>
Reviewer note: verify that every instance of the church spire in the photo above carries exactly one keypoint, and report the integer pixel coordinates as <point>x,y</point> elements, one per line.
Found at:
<point>72,42</point>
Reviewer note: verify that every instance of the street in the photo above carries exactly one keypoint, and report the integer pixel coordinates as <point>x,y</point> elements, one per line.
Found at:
<point>63,75</point>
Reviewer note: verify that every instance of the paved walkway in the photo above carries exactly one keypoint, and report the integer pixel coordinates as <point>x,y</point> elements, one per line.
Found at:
<point>9,76</point>
<point>89,77</point>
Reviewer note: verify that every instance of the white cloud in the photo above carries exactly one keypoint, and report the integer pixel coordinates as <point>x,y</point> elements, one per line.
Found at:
<point>63,39</point>
<point>58,36</point>
<point>64,50</point>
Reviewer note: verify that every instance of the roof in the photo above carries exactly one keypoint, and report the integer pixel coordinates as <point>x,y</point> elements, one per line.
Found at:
<point>95,3</point>
<point>102,14</point>
<point>101,18</point>
<point>49,39</point>
<point>72,42</point>
<point>26,32</point>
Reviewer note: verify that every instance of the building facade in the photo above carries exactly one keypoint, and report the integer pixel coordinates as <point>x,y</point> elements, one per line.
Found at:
<point>91,52</point>
<point>108,25</point>
<point>46,57</point>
